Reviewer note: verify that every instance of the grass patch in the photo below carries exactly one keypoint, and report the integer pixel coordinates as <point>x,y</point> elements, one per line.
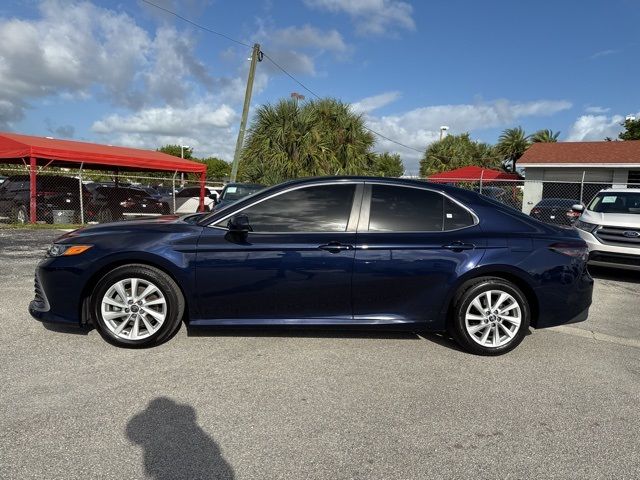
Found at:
<point>39,226</point>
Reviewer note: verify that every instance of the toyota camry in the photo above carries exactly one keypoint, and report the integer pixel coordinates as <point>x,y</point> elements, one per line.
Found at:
<point>339,251</point>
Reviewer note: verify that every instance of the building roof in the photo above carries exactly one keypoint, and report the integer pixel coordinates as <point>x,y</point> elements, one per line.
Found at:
<point>472,173</point>
<point>582,153</point>
<point>14,148</point>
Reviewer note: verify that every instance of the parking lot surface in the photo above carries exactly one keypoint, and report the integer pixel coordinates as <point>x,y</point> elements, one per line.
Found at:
<point>294,404</point>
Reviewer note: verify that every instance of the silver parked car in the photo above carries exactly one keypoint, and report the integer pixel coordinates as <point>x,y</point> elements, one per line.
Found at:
<point>610,225</point>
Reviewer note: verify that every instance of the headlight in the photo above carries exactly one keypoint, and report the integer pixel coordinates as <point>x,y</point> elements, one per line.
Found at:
<point>59,250</point>
<point>586,226</point>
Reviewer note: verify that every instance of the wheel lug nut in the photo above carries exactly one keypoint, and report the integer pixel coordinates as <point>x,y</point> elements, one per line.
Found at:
<point>126,310</point>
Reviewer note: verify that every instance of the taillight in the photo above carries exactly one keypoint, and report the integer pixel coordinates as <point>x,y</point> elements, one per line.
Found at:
<point>127,204</point>
<point>573,214</point>
<point>575,250</point>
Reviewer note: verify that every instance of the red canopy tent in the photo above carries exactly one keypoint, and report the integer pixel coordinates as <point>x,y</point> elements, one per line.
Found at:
<point>472,174</point>
<point>33,151</point>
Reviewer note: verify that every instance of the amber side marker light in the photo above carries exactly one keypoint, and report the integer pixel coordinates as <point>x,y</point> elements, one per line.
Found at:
<point>58,250</point>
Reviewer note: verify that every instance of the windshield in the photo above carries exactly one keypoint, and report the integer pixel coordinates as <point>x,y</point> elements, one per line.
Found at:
<point>616,202</point>
<point>232,193</point>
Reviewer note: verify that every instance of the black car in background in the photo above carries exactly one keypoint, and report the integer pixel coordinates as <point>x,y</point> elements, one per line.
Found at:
<point>111,203</point>
<point>556,211</point>
<point>54,192</point>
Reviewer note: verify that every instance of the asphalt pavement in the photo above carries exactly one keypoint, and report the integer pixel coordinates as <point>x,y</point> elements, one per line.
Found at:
<point>316,404</point>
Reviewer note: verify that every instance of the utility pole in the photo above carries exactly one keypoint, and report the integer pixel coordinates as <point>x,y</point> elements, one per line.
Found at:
<point>256,56</point>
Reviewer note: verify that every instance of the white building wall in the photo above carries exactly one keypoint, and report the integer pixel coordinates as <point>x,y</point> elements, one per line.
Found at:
<point>532,192</point>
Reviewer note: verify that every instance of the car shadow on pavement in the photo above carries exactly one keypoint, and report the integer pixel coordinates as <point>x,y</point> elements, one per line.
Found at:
<point>617,274</point>
<point>174,445</point>
<point>75,330</point>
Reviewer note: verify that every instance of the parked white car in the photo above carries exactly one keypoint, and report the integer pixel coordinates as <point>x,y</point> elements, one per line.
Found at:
<point>188,200</point>
<point>610,225</point>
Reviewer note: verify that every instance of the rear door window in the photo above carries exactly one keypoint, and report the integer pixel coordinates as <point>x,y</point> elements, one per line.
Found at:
<point>405,209</point>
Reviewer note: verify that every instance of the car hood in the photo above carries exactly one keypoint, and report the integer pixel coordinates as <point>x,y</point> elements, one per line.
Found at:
<point>164,223</point>
<point>631,220</point>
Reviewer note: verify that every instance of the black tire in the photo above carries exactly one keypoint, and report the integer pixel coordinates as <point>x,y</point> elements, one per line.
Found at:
<point>20,214</point>
<point>461,303</point>
<point>175,304</point>
<point>105,216</point>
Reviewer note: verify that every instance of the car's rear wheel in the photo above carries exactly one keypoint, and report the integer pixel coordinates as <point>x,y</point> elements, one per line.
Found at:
<point>137,306</point>
<point>20,214</point>
<point>105,216</point>
<point>490,316</point>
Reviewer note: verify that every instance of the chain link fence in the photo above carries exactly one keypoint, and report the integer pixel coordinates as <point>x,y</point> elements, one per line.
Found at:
<point>548,201</point>
<point>77,196</point>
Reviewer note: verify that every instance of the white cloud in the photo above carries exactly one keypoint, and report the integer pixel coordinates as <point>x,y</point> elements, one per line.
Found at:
<point>371,17</point>
<point>296,49</point>
<point>77,50</point>
<point>375,102</point>
<point>308,36</point>
<point>604,53</point>
<point>596,127</point>
<point>421,126</point>
<point>596,109</point>
<point>208,129</point>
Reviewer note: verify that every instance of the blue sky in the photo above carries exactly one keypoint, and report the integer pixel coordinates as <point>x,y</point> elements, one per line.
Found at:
<point>127,73</point>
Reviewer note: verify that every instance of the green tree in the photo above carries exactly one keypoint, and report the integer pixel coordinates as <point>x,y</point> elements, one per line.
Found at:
<point>512,144</point>
<point>386,165</point>
<point>545,136</point>
<point>291,140</point>
<point>631,130</point>
<point>217,169</point>
<point>175,151</point>
<point>455,151</point>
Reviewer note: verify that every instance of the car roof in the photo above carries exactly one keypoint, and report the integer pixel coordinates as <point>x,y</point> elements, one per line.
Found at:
<point>620,190</point>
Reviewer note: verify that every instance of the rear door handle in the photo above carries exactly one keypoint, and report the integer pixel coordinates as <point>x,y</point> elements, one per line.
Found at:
<point>459,246</point>
<point>335,247</point>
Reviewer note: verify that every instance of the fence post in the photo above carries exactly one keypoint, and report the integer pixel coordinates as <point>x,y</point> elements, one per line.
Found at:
<point>32,190</point>
<point>481,176</point>
<point>173,191</point>
<point>81,196</point>
<point>582,187</point>
<point>203,179</point>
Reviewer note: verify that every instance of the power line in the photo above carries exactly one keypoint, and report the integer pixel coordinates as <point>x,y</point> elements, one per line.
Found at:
<point>276,64</point>
<point>166,10</point>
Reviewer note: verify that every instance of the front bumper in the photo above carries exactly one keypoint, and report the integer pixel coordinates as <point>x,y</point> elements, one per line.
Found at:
<point>57,289</point>
<point>604,255</point>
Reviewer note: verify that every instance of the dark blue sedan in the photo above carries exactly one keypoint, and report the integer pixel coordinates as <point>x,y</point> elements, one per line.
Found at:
<point>327,251</point>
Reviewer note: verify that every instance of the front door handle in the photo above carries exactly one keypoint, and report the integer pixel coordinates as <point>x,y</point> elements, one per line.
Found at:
<point>459,246</point>
<point>335,247</point>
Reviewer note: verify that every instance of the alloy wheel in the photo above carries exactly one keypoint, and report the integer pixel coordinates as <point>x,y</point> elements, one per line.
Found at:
<point>133,308</point>
<point>21,216</point>
<point>493,318</point>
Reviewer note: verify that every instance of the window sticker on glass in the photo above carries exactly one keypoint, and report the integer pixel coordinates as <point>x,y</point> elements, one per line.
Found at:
<point>609,199</point>
<point>232,189</point>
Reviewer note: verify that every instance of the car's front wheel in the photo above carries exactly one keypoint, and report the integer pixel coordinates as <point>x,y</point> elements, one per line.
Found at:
<point>137,306</point>
<point>490,316</point>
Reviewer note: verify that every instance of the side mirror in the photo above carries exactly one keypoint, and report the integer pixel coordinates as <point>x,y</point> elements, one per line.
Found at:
<point>239,224</point>
<point>578,208</point>
<point>214,197</point>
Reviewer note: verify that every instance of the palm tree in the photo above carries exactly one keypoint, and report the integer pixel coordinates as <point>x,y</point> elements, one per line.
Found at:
<point>455,151</point>
<point>545,136</point>
<point>290,140</point>
<point>386,165</point>
<point>512,144</point>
